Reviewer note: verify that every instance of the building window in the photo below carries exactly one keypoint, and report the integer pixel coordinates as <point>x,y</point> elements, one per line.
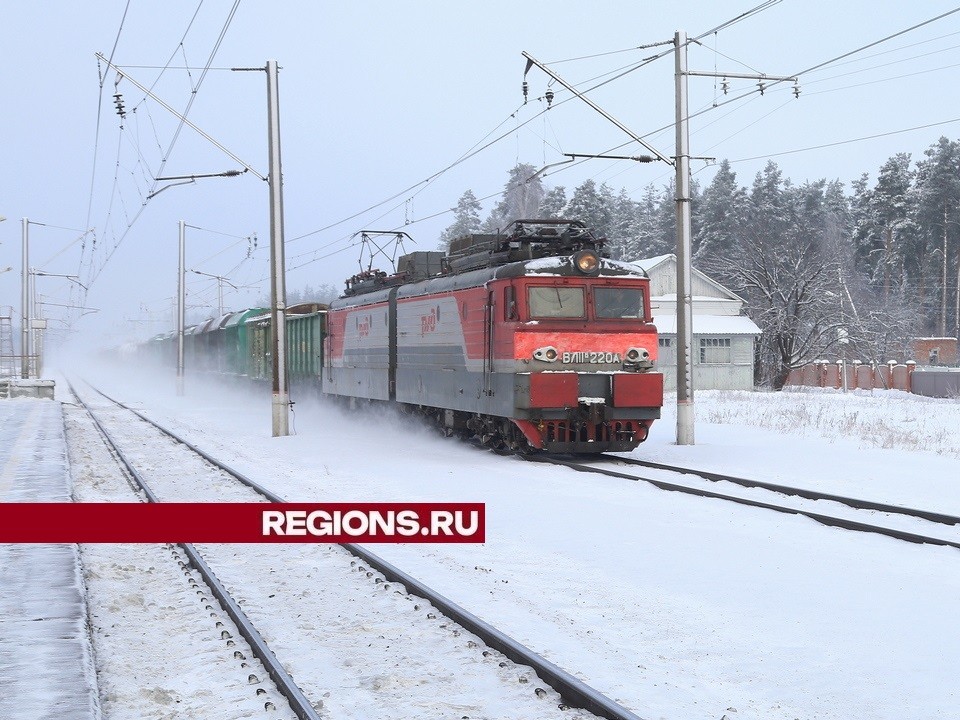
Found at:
<point>715,350</point>
<point>665,342</point>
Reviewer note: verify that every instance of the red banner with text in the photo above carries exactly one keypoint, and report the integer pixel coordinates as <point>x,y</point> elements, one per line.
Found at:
<point>242,522</point>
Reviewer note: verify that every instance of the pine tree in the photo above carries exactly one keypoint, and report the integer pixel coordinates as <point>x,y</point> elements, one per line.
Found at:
<point>648,215</point>
<point>521,199</point>
<point>721,214</point>
<point>938,219</point>
<point>466,219</point>
<point>893,209</point>
<point>769,206</point>
<point>664,238</point>
<point>554,204</point>
<point>624,228</point>
<point>590,207</point>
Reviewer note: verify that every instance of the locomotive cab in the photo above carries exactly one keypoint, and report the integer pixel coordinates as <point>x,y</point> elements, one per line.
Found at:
<point>581,348</point>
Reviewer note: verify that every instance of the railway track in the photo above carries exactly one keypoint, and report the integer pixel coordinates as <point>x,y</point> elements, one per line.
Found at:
<point>285,685</point>
<point>573,693</point>
<point>772,492</point>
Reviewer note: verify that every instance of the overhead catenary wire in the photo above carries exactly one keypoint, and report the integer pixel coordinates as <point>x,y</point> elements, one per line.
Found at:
<point>628,69</point>
<point>419,187</point>
<point>183,120</point>
<point>846,142</point>
<point>826,63</point>
<point>820,66</point>
<point>195,90</point>
<point>896,49</point>
<point>173,54</point>
<point>96,142</point>
<point>884,80</point>
<point>465,156</point>
<point>446,211</point>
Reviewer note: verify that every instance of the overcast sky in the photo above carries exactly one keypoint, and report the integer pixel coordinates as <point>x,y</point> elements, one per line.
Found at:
<point>378,96</point>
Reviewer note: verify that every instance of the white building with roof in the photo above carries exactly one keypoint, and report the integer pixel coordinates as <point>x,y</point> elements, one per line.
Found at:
<point>723,338</point>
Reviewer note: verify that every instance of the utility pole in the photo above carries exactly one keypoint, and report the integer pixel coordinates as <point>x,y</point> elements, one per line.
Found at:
<point>681,162</point>
<point>281,393</point>
<point>25,299</point>
<point>181,306</point>
<point>943,295</point>
<point>888,249</point>
<point>278,287</point>
<point>37,325</point>
<point>220,281</point>
<point>219,297</point>
<point>685,407</point>
<point>685,416</point>
<point>956,309</point>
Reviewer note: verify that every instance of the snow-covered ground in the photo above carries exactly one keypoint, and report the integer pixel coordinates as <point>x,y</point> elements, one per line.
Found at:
<point>676,606</point>
<point>351,641</point>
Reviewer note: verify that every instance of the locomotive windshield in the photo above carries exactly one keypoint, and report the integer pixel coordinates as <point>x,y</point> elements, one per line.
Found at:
<point>556,302</point>
<point>618,302</point>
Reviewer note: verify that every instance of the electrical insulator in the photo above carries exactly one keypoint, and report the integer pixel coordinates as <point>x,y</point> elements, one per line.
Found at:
<point>526,89</point>
<point>796,91</point>
<point>549,96</point>
<point>118,101</point>
<point>762,87</point>
<point>725,86</point>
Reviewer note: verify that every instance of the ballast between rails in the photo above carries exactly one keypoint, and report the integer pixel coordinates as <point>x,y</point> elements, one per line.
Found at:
<point>828,520</point>
<point>299,703</point>
<point>574,692</point>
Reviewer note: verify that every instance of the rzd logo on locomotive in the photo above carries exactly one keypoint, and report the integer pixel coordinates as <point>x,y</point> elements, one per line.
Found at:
<point>363,326</point>
<point>428,322</point>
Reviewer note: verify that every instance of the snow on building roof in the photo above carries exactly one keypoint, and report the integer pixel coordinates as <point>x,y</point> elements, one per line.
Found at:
<point>672,298</point>
<point>647,263</point>
<point>662,272</point>
<point>709,325</point>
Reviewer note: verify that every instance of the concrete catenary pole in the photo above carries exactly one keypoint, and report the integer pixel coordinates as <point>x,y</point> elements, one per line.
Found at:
<point>38,326</point>
<point>25,299</point>
<point>181,306</point>
<point>278,289</point>
<point>685,415</point>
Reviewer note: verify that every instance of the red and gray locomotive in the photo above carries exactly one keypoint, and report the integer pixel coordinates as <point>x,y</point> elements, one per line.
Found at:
<point>528,339</point>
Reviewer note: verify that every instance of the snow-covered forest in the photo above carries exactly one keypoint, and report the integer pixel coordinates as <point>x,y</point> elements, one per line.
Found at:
<point>826,270</point>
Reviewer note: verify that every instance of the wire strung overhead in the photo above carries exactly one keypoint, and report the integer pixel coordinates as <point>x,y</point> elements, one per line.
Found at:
<point>94,269</point>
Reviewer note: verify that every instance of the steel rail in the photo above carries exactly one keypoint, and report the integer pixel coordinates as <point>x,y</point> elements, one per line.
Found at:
<point>857,503</point>
<point>299,703</point>
<point>828,520</point>
<point>574,692</point>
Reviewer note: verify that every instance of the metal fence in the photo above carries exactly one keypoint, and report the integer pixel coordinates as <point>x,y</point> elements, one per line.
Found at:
<point>930,381</point>
<point>936,382</point>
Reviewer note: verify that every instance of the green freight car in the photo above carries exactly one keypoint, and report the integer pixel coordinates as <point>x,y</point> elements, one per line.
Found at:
<point>236,351</point>
<point>306,325</point>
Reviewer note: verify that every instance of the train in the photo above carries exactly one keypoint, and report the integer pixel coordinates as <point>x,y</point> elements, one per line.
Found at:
<point>530,339</point>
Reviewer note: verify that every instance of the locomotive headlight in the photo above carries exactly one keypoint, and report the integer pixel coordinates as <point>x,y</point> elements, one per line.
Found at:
<point>635,355</point>
<point>587,262</point>
<point>546,354</point>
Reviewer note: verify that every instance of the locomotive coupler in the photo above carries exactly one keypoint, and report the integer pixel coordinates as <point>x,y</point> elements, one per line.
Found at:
<point>592,410</point>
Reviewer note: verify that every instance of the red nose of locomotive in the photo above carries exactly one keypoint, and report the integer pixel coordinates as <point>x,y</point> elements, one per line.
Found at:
<point>587,391</point>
